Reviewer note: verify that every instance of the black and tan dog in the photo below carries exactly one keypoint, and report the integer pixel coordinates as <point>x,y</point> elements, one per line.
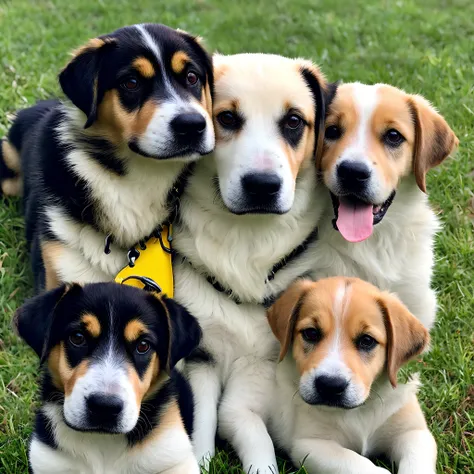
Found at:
<point>110,399</point>
<point>104,163</point>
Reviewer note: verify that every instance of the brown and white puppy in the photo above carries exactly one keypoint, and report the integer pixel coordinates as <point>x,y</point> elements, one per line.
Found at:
<point>247,222</point>
<point>380,143</point>
<point>105,162</point>
<point>110,399</point>
<point>337,399</point>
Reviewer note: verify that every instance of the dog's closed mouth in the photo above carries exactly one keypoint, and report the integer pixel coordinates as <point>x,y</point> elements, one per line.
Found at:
<point>179,153</point>
<point>355,218</point>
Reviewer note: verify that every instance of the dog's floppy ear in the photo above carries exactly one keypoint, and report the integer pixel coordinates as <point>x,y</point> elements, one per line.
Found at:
<point>406,336</point>
<point>80,79</point>
<point>283,314</point>
<point>184,332</point>
<point>322,93</point>
<point>434,139</point>
<point>34,319</point>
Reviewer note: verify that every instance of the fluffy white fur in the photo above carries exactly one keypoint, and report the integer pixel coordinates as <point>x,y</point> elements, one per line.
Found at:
<point>338,441</point>
<point>95,453</point>
<point>233,392</point>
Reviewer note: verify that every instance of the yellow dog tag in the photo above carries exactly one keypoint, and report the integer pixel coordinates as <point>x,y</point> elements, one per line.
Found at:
<point>151,264</point>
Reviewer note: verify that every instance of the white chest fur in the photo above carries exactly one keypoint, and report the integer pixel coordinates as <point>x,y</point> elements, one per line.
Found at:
<point>130,206</point>
<point>90,453</point>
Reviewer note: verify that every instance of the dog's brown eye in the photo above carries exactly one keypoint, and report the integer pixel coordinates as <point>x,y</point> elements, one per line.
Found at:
<point>293,121</point>
<point>192,78</point>
<point>333,132</point>
<point>130,84</point>
<point>77,339</point>
<point>312,335</point>
<point>393,138</point>
<point>366,342</point>
<point>227,119</point>
<point>143,347</point>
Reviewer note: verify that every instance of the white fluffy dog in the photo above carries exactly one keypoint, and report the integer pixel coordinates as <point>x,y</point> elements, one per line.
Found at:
<point>247,221</point>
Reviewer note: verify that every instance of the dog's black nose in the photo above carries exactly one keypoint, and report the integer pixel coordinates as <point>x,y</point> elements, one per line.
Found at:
<point>353,175</point>
<point>329,387</point>
<point>263,185</point>
<point>104,407</point>
<point>188,124</point>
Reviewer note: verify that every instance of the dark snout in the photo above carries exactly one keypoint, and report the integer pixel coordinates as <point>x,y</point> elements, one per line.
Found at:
<point>353,177</point>
<point>188,127</point>
<point>103,411</point>
<point>261,191</point>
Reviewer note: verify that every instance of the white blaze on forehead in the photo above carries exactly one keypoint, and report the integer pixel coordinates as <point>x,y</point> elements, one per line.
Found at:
<point>365,102</point>
<point>341,303</point>
<point>151,44</point>
<point>333,363</point>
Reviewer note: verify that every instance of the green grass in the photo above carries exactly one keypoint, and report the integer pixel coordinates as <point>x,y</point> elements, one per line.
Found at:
<point>424,46</point>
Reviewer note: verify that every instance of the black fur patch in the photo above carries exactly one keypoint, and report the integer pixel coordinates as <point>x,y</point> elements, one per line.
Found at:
<point>319,103</point>
<point>291,136</point>
<point>43,431</point>
<point>200,356</point>
<point>104,152</point>
<point>155,408</point>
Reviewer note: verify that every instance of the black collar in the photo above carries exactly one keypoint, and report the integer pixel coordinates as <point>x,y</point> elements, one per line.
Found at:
<point>268,301</point>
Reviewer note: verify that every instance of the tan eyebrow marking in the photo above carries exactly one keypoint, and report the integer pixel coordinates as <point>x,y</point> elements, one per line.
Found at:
<point>92,324</point>
<point>134,329</point>
<point>144,67</point>
<point>179,61</point>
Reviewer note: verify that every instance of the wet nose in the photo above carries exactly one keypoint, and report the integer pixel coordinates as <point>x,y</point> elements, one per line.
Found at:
<point>104,407</point>
<point>262,185</point>
<point>329,387</point>
<point>353,176</point>
<point>188,124</point>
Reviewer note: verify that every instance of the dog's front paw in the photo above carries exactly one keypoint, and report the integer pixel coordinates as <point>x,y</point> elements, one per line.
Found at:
<point>205,461</point>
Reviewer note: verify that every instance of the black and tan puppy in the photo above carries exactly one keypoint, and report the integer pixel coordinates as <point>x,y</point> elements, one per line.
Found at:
<point>110,399</point>
<point>105,162</point>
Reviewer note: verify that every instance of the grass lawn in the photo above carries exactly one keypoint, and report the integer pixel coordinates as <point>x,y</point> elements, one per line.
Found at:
<point>424,46</point>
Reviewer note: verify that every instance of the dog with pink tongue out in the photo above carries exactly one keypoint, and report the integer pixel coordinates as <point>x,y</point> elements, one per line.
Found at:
<point>380,142</point>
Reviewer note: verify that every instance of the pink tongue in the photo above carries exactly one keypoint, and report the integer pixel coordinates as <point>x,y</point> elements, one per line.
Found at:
<point>355,221</point>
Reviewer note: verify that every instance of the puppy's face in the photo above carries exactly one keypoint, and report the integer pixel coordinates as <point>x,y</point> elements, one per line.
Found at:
<point>344,334</point>
<point>375,136</point>
<point>265,117</point>
<point>145,88</point>
<point>106,349</point>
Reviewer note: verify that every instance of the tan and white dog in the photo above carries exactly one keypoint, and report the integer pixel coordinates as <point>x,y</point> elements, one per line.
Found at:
<point>247,222</point>
<point>337,399</point>
<point>380,142</point>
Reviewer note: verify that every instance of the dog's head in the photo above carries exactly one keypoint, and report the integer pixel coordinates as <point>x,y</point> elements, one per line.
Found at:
<point>375,136</point>
<point>106,349</point>
<point>344,334</point>
<point>268,117</point>
<point>146,88</point>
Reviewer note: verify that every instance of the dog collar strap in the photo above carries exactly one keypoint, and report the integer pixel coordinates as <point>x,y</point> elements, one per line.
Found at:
<point>150,264</point>
<point>268,300</point>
